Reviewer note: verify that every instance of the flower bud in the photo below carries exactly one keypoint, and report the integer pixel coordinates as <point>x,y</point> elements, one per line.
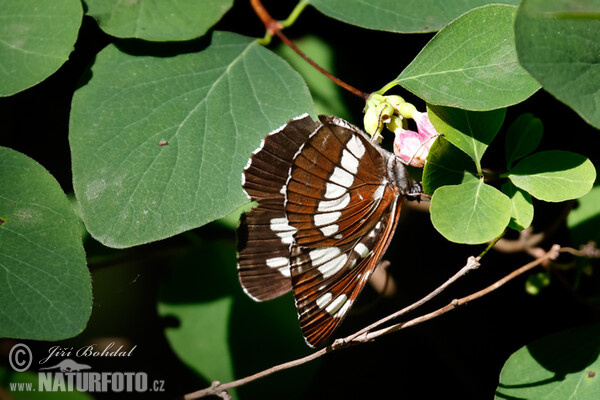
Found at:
<point>377,112</point>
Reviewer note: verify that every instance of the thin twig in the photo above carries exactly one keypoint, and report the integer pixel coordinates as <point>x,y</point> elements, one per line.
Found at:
<point>550,255</point>
<point>274,27</point>
<point>367,336</point>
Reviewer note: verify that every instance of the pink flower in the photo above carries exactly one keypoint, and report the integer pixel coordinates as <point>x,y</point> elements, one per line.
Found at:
<point>413,147</point>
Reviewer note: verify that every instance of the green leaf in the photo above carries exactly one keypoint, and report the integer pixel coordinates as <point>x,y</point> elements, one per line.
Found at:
<point>158,144</point>
<point>471,64</point>
<point>219,327</point>
<point>45,287</point>
<point>163,20</point>
<point>472,212</point>
<point>583,221</point>
<point>209,319</point>
<point>400,16</point>
<point>569,68</point>
<point>521,215</point>
<point>554,175</point>
<point>197,296</point>
<point>447,165</point>
<point>470,131</point>
<point>561,366</point>
<point>36,38</point>
<point>523,137</point>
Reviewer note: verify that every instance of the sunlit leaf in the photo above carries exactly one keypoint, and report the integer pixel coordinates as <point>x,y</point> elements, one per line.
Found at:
<point>472,212</point>
<point>471,64</point>
<point>554,175</point>
<point>159,144</point>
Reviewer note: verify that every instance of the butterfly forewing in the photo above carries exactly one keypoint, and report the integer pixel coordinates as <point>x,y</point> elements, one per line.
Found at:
<point>336,183</point>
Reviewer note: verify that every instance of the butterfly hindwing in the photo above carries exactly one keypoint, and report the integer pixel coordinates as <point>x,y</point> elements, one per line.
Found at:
<point>326,281</point>
<point>264,235</point>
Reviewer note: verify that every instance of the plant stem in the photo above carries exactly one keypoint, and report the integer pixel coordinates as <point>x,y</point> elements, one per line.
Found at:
<point>274,27</point>
<point>386,87</point>
<point>289,21</point>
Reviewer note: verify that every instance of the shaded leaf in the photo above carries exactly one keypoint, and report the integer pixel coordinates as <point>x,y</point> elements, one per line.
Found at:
<point>554,175</point>
<point>521,215</point>
<point>583,221</point>
<point>472,212</point>
<point>470,131</point>
<point>447,165</point>
<point>164,20</point>
<point>523,137</point>
<point>158,144</point>
<point>221,333</point>
<point>45,287</point>
<point>471,64</point>
<point>400,16</point>
<point>569,68</point>
<point>561,366</point>
<point>36,38</point>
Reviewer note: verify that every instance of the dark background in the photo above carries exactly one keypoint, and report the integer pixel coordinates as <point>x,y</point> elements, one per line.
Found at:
<point>457,355</point>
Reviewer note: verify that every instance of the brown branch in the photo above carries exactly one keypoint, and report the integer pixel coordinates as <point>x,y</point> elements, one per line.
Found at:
<point>550,255</point>
<point>274,27</point>
<point>365,335</point>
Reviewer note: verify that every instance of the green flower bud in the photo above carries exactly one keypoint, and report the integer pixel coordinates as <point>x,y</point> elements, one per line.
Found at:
<point>407,110</point>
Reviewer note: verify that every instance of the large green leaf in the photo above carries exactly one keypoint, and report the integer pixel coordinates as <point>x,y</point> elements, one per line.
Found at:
<point>562,366</point>
<point>400,16</point>
<point>471,212</point>
<point>554,175</point>
<point>157,20</point>
<point>558,42</point>
<point>36,38</point>
<point>470,131</point>
<point>158,144</point>
<point>45,287</point>
<point>447,165</point>
<point>471,64</point>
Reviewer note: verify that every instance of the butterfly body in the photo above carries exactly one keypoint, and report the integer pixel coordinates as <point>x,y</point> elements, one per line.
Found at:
<point>328,204</point>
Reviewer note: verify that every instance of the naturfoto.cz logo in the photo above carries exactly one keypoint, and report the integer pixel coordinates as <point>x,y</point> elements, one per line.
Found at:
<point>68,375</point>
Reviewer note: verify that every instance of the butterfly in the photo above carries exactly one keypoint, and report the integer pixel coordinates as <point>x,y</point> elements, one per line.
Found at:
<point>328,204</point>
